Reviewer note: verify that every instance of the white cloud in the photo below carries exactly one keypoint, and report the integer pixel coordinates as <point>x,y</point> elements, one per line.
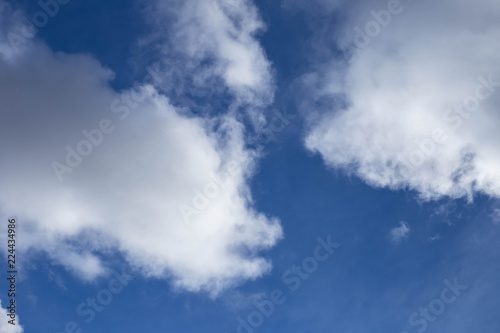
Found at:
<point>5,327</point>
<point>495,216</point>
<point>125,195</point>
<point>9,28</point>
<point>218,41</point>
<point>401,90</point>
<point>434,238</point>
<point>397,234</point>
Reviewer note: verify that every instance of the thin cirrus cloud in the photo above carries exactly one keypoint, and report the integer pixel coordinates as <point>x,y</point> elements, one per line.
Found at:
<point>125,195</point>
<point>422,97</point>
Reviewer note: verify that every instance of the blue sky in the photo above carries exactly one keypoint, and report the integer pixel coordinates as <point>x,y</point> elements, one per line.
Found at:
<point>251,166</point>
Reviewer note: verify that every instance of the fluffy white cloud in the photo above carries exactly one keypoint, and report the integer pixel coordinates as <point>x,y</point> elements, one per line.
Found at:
<point>5,327</point>
<point>397,234</point>
<point>422,96</point>
<point>163,187</point>
<point>211,46</point>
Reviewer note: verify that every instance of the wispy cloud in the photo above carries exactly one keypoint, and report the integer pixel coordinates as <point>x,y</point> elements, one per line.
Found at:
<point>434,238</point>
<point>397,234</point>
<point>495,216</point>
<point>211,48</point>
